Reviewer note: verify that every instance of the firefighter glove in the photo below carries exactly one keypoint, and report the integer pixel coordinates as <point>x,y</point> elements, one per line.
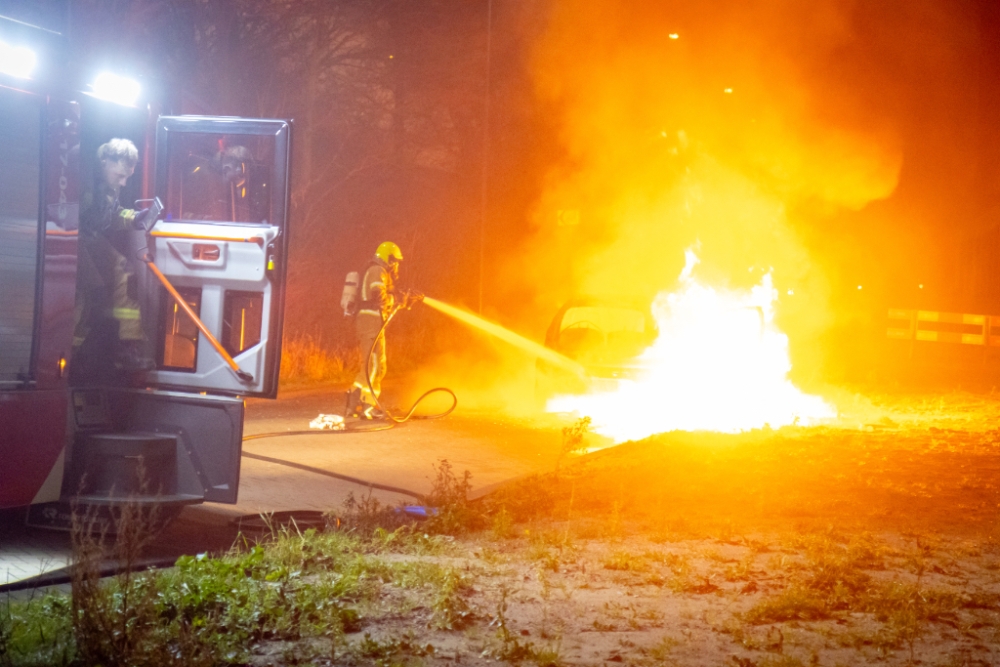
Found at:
<point>412,297</point>
<point>141,221</point>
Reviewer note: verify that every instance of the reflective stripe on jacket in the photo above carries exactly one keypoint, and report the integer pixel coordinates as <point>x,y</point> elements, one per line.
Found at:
<point>377,291</point>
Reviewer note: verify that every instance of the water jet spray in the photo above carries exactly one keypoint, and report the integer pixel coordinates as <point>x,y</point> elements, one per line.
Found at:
<point>508,336</point>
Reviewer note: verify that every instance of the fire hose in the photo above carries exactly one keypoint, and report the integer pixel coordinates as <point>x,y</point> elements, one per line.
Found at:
<point>247,377</point>
<point>392,420</point>
<point>409,415</point>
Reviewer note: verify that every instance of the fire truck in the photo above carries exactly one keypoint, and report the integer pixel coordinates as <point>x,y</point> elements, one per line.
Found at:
<point>210,277</point>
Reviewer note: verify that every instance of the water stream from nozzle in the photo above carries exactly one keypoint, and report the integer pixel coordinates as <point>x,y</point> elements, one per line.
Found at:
<point>506,335</point>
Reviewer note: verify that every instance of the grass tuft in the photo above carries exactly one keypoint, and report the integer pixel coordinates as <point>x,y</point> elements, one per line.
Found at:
<point>795,603</point>
<point>450,497</point>
<point>307,360</point>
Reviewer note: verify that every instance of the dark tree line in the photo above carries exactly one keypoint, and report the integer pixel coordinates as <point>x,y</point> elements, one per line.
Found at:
<point>387,98</point>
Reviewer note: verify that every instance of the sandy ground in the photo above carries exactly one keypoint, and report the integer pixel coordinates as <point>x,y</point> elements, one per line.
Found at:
<point>872,540</point>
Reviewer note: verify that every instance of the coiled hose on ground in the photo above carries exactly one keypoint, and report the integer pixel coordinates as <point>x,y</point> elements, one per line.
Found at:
<point>413,408</point>
<point>392,421</point>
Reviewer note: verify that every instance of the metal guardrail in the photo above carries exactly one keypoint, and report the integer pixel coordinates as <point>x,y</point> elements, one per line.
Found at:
<point>915,332</point>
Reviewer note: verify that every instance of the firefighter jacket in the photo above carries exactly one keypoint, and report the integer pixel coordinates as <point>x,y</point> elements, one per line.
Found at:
<point>377,291</point>
<point>103,214</point>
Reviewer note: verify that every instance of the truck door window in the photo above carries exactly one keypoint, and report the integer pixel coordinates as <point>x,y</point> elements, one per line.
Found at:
<point>242,320</point>
<point>220,178</point>
<point>20,170</point>
<point>178,333</point>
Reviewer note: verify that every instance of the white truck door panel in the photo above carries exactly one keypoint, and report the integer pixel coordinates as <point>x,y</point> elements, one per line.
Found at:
<point>222,243</point>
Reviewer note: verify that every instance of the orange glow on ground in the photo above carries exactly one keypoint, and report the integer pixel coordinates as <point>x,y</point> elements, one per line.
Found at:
<point>719,364</point>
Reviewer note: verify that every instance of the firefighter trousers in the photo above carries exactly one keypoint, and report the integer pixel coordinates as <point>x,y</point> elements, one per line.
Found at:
<point>104,272</point>
<point>368,327</point>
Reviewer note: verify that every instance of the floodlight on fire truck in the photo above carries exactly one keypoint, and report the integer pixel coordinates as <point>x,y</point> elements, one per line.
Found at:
<point>114,88</point>
<point>17,61</point>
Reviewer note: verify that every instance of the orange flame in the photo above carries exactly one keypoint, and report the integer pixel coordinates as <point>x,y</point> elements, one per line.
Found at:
<point>719,364</point>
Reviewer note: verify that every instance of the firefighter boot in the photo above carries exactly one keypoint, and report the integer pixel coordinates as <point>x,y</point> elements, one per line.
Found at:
<point>354,405</point>
<point>372,412</point>
<point>132,357</point>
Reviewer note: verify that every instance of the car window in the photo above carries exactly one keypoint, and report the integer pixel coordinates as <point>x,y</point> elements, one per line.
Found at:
<point>608,319</point>
<point>603,334</point>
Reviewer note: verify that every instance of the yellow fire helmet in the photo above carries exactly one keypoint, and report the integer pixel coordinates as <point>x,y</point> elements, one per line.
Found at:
<point>389,249</point>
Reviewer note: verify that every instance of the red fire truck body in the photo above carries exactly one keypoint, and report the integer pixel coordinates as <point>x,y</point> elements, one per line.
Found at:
<point>79,428</point>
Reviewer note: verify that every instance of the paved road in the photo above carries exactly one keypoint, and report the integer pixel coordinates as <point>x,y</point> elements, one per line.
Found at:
<point>493,447</point>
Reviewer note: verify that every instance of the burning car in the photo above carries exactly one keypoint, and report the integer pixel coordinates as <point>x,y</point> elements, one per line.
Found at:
<point>604,336</point>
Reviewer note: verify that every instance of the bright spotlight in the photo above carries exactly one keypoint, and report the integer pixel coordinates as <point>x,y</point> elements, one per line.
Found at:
<point>117,89</point>
<point>18,61</point>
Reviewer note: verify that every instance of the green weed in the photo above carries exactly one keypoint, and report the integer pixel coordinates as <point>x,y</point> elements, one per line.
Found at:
<point>37,632</point>
<point>546,557</point>
<point>451,611</point>
<point>548,656</point>
<point>795,603</point>
<point>114,621</point>
<point>502,524</point>
<point>511,648</point>
<point>393,651</point>
<point>740,571</point>
<point>365,514</point>
<point>572,439</point>
<point>834,580</point>
<point>623,560</point>
<point>450,496</point>
<point>5,636</point>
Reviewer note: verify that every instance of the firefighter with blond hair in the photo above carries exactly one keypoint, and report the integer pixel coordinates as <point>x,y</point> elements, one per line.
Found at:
<point>106,282</point>
<point>377,290</point>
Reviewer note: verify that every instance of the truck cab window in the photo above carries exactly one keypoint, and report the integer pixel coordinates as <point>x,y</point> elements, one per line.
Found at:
<point>220,178</point>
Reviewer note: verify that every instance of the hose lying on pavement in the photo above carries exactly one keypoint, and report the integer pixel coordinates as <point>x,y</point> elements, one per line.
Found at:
<point>321,471</point>
<point>392,421</point>
<point>409,415</point>
<point>64,575</point>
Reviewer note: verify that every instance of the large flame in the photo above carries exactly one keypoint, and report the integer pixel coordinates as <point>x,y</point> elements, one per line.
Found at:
<point>719,363</point>
<point>728,122</point>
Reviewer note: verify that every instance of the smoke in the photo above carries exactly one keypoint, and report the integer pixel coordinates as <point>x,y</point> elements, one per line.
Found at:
<point>818,141</point>
<point>725,125</point>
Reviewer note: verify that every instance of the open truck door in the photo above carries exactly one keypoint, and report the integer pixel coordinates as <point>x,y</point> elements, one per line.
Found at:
<point>221,245</point>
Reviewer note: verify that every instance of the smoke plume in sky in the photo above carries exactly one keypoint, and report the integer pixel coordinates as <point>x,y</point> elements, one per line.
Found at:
<point>759,131</point>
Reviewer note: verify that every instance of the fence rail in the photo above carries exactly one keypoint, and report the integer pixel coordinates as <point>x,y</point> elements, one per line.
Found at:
<point>923,325</point>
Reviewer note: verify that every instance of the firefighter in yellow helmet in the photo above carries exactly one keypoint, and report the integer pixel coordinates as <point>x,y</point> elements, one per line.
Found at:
<point>378,300</point>
<point>106,283</point>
